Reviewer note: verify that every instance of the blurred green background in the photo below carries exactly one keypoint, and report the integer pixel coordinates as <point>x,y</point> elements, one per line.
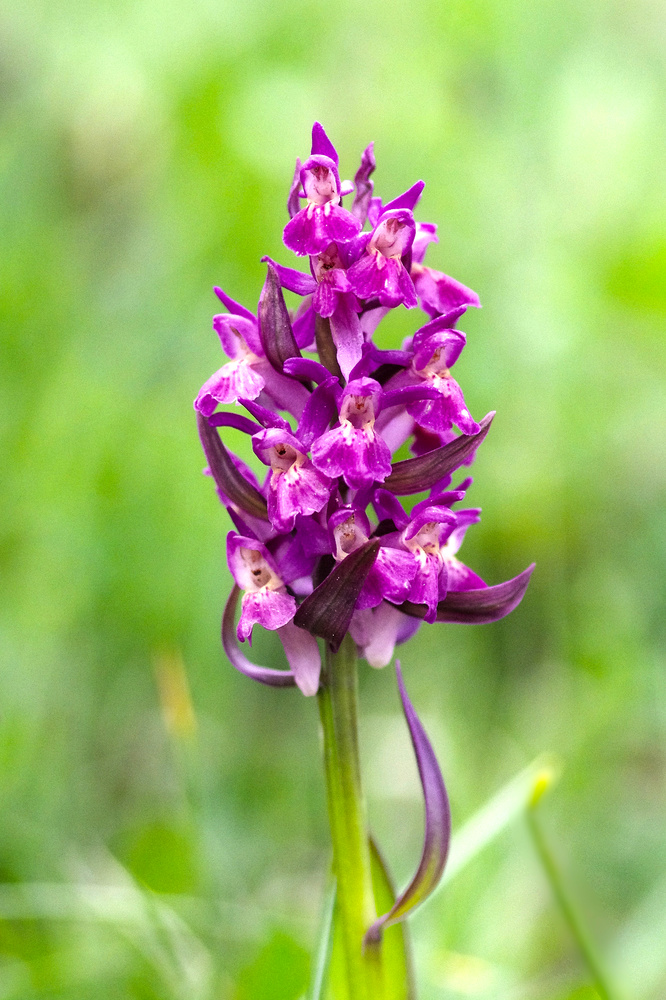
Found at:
<point>156,843</point>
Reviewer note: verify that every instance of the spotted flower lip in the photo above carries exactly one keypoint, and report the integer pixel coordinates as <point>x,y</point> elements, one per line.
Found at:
<point>435,351</point>
<point>265,600</point>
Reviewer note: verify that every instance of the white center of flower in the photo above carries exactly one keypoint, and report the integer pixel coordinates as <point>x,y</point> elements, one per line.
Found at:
<point>326,261</point>
<point>258,573</point>
<point>359,411</point>
<point>436,367</point>
<point>425,542</point>
<point>348,537</point>
<point>390,238</point>
<point>282,457</point>
<point>320,186</point>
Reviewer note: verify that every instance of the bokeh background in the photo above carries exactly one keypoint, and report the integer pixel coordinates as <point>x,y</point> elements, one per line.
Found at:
<point>162,819</point>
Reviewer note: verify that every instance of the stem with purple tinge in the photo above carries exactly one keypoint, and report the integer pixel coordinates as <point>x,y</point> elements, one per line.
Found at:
<point>338,700</point>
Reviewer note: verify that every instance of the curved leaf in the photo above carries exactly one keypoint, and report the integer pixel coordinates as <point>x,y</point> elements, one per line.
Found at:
<point>328,610</point>
<point>264,675</point>
<point>477,607</point>
<point>437,824</point>
<point>416,474</point>
<point>228,478</point>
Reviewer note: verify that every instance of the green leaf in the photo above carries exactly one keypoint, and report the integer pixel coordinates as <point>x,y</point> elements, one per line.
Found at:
<point>395,946</point>
<point>396,959</point>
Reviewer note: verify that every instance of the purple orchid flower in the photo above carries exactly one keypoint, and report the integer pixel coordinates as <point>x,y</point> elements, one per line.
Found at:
<point>266,602</point>
<point>380,273</point>
<point>353,449</point>
<point>327,548</point>
<point>435,351</point>
<point>323,220</point>
<point>250,372</point>
<point>241,377</point>
<point>296,486</point>
<point>265,599</point>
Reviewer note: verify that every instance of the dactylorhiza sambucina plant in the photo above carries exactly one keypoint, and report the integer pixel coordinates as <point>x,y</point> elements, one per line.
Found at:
<point>324,547</point>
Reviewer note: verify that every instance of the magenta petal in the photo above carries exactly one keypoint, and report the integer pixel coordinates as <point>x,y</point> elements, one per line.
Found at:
<point>328,610</point>
<point>269,608</point>
<point>447,409</point>
<point>264,675</point>
<point>321,144</point>
<point>415,474</point>
<point>291,279</point>
<point>389,579</point>
<point>307,368</point>
<point>234,307</point>
<point>316,226</point>
<point>235,380</point>
<point>376,277</point>
<point>325,298</point>
<point>440,293</point>
<point>409,199</point>
<point>437,836</point>
<point>237,420</point>
<point>302,652</point>
<point>301,490</point>
<point>347,334</point>
<point>360,457</point>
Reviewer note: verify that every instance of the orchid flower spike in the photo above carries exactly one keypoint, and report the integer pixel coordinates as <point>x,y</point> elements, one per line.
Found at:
<point>333,546</point>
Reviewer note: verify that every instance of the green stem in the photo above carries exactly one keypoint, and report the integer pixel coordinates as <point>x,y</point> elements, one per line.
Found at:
<point>568,910</point>
<point>338,699</point>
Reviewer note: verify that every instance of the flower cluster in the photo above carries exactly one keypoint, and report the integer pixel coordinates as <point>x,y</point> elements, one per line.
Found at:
<point>324,545</point>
